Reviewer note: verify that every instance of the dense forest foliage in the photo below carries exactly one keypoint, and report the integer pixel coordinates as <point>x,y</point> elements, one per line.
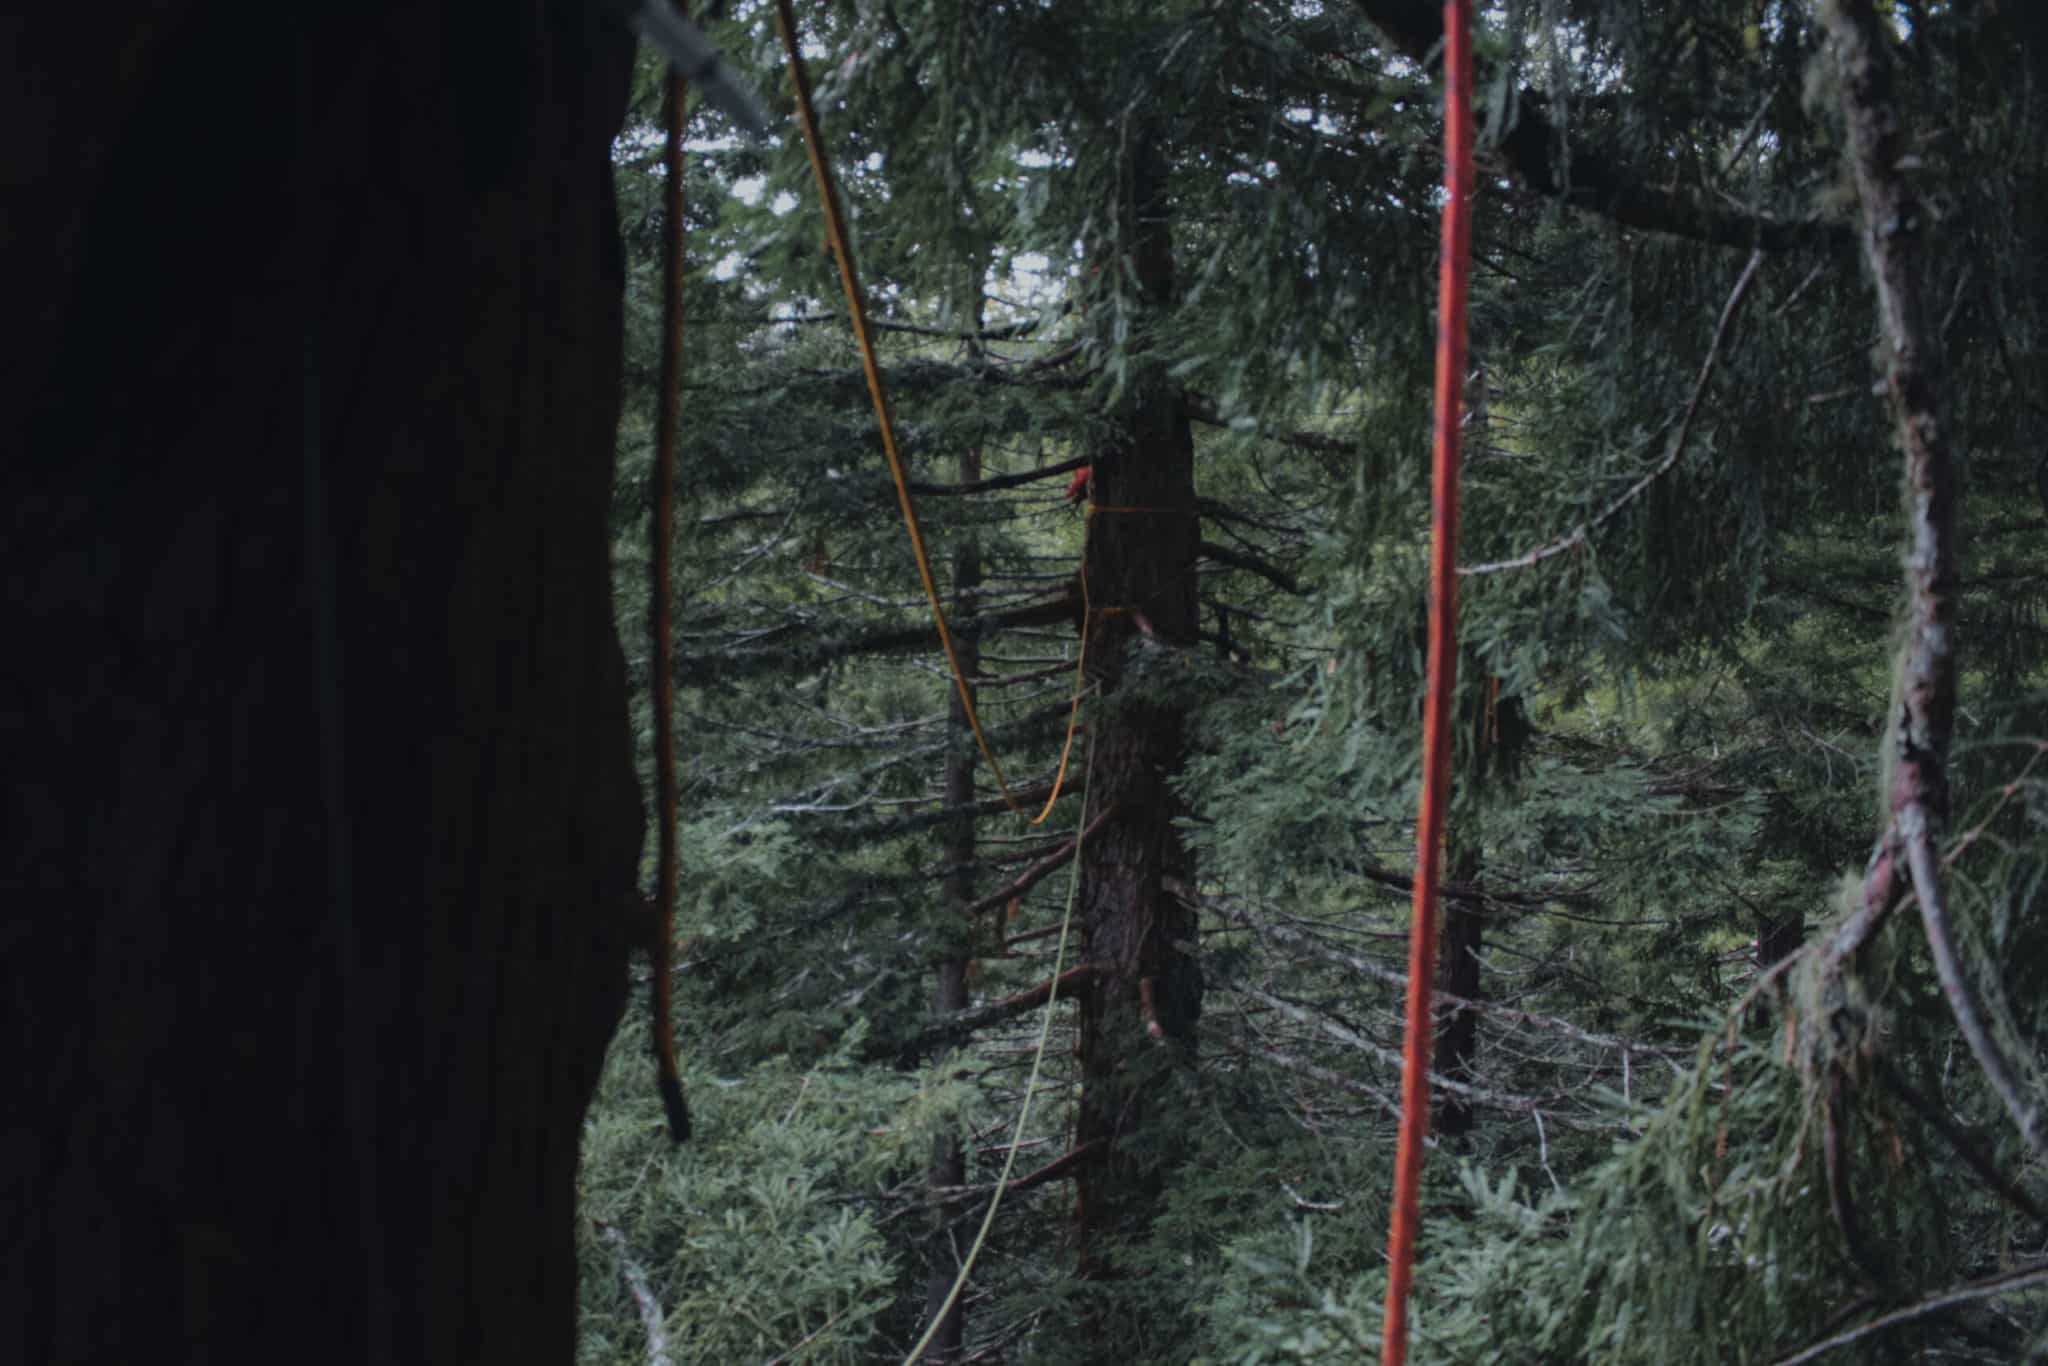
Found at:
<point>1697,1101</point>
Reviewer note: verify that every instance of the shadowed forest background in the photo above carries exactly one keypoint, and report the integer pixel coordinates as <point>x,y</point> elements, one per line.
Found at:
<point>326,550</point>
<point>1194,247</point>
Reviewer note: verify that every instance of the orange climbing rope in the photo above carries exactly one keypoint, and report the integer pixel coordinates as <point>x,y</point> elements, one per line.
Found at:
<point>856,307</point>
<point>1454,276</point>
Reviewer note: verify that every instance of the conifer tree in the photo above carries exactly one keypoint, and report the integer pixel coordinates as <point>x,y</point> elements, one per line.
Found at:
<point>1197,247</point>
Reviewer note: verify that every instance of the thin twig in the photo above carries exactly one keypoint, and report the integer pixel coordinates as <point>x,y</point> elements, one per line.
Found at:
<point>790,1355</point>
<point>1335,1080</point>
<point>1964,1000</point>
<point>1578,535</point>
<point>2005,795</point>
<point>968,1021</point>
<point>1543,1152</point>
<point>1987,1172</point>
<point>1506,1100</point>
<point>1063,1165</point>
<point>1039,871</point>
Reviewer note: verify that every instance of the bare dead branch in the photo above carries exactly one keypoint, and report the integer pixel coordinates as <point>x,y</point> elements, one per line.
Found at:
<point>1203,409</point>
<point>1040,870</point>
<point>997,481</point>
<point>967,1021</point>
<point>1251,564</point>
<point>1303,1015</point>
<point>1060,1166</point>
<point>1335,1080</point>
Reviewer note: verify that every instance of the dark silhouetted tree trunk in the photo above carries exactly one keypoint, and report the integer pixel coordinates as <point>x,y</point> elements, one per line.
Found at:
<point>1777,937</point>
<point>1138,1009</point>
<point>320,822</point>
<point>949,995</point>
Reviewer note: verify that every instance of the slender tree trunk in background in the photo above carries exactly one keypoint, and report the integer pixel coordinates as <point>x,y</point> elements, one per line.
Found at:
<point>1457,1036</point>
<point>1778,936</point>
<point>949,1162</point>
<point>320,821</point>
<point>1896,224</point>
<point>1138,1010</point>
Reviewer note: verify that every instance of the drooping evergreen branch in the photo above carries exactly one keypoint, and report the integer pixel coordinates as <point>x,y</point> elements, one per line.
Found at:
<point>2012,787</point>
<point>1973,1157</point>
<point>858,834</point>
<point>1042,869</point>
<point>1837,1115</point>
<point>998,481</point>
<point>967,1021</point>
<point>1580,534</point>
<point>1006,332</point>
<point>918,377</point>
<point>2005,1282</point>
<point>1594,181</point>
<point>1312,946</point>
<point>1060,1166</point>
<point>704,667</point>
<point>1252,564</point>
<point>1924,711</point>
<point>1351,1038</point>
<point>1204,410</point>
<point>1216,510</point>
<point>1336,1081</point>
<point>1480,897</point>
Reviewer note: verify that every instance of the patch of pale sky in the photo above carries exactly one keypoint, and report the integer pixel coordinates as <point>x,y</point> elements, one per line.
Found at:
<point>1028,281</point>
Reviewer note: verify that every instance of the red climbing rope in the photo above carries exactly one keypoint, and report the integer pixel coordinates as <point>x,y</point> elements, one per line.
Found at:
<point>1454,276</point>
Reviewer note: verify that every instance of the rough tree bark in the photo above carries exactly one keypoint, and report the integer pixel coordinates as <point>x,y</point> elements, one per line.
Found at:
<point>1139,1007</point>
<point>320,821</point>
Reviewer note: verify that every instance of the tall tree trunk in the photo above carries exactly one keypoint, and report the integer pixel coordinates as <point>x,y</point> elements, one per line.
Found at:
<point>1778,936</point>
<point>1139,1007</point>
<point>320,821</point>
<point>1458,964</point>
<point>949,995</point>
